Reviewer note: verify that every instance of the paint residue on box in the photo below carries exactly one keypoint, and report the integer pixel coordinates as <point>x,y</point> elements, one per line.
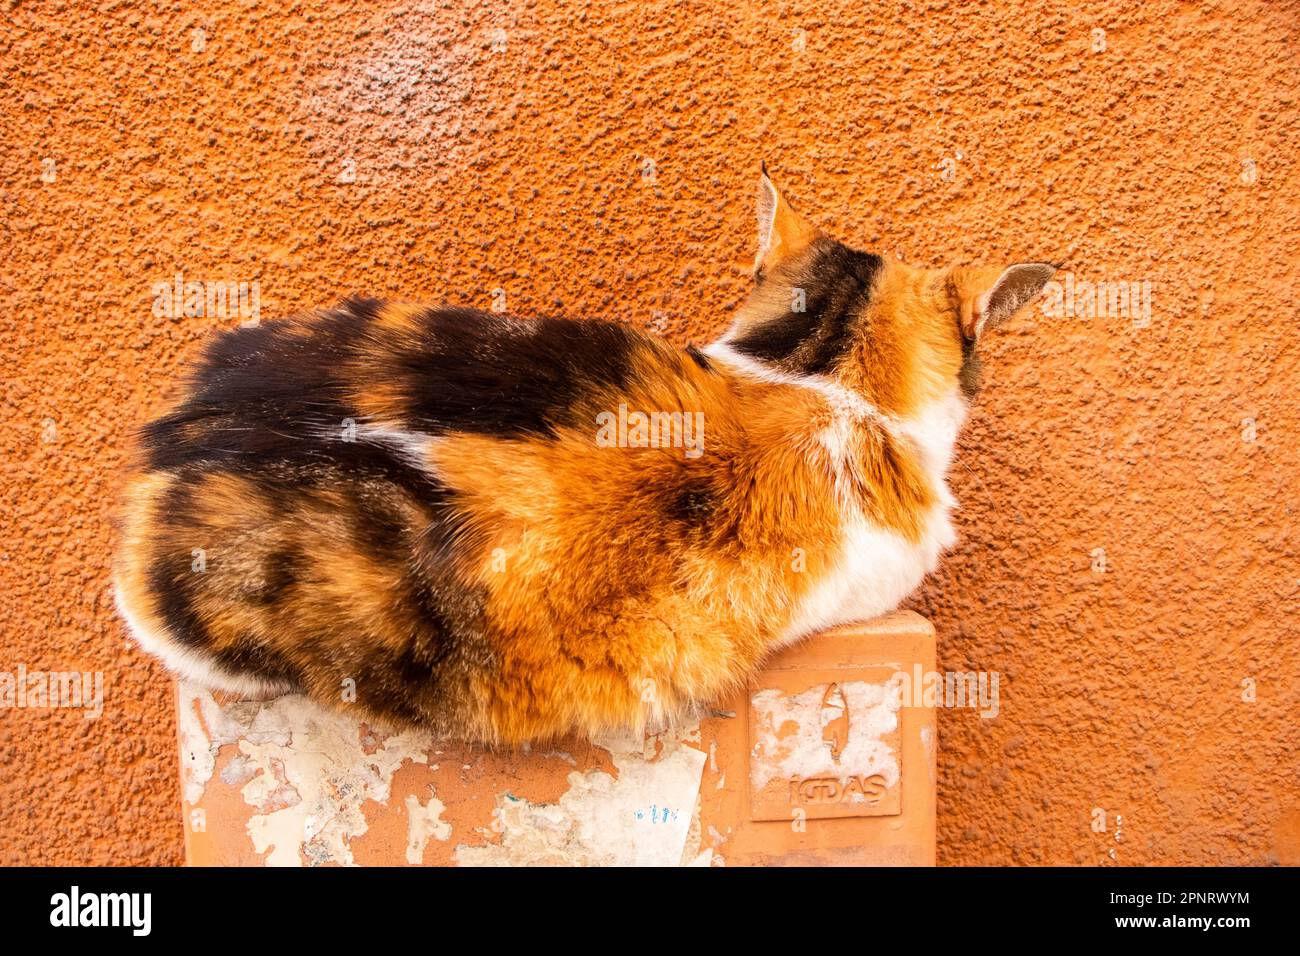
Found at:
<point>642,817</point>
<point>423,823</point>
<point>826,731</point>
<point>308,771</point>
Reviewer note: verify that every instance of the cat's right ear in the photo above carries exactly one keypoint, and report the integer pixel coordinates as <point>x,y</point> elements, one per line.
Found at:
<point>986,297</point>
<point>782,232</point>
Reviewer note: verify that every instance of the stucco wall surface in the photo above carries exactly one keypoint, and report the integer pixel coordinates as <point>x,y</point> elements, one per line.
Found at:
<point>1128,562</point>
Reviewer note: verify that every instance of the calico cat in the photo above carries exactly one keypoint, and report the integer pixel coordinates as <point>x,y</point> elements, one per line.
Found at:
<point>507,530</point>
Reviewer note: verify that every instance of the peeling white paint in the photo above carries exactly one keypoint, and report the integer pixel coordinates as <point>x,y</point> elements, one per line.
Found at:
<point>205,726</point>
<point>825,731</point>
<point>309,770</point>
<point>306,772</point>
<point>642,817</point>
<point>424,822</point>
<point>927,741</point>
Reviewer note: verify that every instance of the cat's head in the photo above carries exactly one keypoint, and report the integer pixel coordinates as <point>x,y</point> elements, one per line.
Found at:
<point>901,336</point>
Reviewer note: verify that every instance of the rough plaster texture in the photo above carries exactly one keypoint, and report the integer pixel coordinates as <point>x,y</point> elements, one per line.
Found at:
<point>601,161</point>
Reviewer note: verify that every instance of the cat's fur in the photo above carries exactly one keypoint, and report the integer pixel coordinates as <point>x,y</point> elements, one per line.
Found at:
<point>411,502</point>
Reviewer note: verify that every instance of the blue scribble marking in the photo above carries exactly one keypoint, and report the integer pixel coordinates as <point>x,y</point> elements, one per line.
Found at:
<point>656,814</point>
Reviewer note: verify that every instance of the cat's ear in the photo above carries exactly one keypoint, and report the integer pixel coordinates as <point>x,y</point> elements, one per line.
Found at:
<point>987,297</point>
<point>782,232</point>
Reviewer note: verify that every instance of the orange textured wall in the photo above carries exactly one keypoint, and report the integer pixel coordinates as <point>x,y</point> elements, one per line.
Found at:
<point>601,161</point>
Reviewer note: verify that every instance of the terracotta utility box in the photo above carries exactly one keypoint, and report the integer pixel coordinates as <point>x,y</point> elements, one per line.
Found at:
<point>823,761</point>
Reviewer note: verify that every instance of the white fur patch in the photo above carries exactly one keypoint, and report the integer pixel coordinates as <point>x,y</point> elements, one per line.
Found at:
<point>934,434</point>
<point>840,399</point>
<point>877,568</point>
<point>413,447</point>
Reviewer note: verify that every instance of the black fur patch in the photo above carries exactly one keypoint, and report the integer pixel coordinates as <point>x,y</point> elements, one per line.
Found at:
<point>266,395</point>
<point>699,358</point>
<point>275,397</point>
<point>280,572</point>
<point>971,371</point>
<point>836,283</point>
<point>692,503</point>
<point>385,680</point>
<point>250,656</point>
<point>488,374</point>
<point>268,403</point>
<point>172,579</point>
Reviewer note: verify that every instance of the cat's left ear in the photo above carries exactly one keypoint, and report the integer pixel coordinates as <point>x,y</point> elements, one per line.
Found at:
<point>782,232</point>
<point>987,297</point>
